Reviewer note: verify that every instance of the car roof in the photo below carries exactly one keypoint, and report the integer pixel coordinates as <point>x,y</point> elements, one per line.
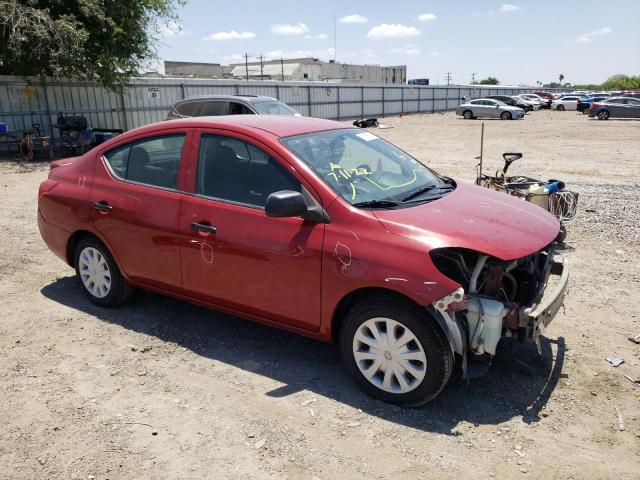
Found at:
<point>241,98</point>
<point>276,125</point>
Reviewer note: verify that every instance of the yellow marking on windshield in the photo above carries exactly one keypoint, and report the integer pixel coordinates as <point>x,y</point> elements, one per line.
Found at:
<point>415,177</point>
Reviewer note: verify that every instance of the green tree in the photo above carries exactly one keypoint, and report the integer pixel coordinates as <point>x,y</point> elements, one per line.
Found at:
<point>103,40</point>
<point>489,81</point>
<point>622,82</point>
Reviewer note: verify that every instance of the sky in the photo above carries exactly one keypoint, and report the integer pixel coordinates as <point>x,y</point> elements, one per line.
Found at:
<point>520,43</point>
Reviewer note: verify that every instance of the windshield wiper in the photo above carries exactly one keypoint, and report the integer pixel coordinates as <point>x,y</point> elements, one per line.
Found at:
<point>426,189</point>
<point>375,204</point>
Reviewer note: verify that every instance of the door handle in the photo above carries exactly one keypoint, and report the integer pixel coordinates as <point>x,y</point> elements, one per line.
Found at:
<point>200,227</point>
<point>102,206</point>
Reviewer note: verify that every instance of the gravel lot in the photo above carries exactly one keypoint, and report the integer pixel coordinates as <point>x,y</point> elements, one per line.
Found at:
<point>163,389</point>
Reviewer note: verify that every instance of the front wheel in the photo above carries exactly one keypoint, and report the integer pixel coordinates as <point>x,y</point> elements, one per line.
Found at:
<point>505,116</point>
<point>603,115</point>
<point>99,275</point>
<point>468,114</point>
<point>560,108</point>
<point>585,111</point>
<point>395,351</point>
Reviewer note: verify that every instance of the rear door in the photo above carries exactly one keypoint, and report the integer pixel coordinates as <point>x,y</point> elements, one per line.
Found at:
<point>233,255</point>
<point>135,202</point>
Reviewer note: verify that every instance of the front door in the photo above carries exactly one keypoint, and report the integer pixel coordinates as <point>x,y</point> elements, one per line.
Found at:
<point>233,255</point>
<point>135,202</point>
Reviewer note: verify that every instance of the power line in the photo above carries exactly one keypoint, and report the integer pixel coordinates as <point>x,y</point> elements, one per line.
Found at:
<point>448,78</point>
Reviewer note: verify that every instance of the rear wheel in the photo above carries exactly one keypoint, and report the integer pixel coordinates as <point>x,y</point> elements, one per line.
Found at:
<point>99,275</point>
<point>468,114</point>
<point>505,116</point>
<point>561,108</point>
<point>395,351</point>
<point>603,115</point>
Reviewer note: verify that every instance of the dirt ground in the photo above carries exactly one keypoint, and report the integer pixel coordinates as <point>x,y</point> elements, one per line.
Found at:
<point>162,389</point>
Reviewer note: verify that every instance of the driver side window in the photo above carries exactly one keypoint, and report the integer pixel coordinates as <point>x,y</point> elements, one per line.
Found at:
<point>233,170</point>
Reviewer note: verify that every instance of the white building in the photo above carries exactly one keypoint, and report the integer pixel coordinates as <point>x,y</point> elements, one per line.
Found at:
<point>313,69</point>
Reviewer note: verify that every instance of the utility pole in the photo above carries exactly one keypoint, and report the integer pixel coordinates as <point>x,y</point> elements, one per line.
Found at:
<point>246,64</point>
<point>448,78</point>
<point>473,78</point>
<point>261,70</point>
<point>282,67</point>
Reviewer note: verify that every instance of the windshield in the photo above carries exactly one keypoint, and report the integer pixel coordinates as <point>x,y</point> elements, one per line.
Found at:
<point>365,170</point>
<point>274,108</point>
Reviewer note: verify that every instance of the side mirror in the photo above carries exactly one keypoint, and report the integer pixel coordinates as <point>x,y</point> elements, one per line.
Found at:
<point>511,157</point>
<point>285,203</point>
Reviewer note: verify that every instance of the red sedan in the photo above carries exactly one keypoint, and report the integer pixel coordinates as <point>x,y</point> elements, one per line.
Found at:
<point>315,227</point>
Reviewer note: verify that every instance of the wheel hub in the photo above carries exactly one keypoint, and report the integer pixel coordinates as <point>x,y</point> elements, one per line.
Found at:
<point>389,355</point>
<point>94,272</point>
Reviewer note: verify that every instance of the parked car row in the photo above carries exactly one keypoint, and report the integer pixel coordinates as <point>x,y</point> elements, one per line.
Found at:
<point>510,107</point>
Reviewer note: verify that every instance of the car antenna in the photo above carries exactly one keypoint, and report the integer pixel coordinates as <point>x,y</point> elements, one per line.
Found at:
<point>479,165</point>
<point>177,112</point>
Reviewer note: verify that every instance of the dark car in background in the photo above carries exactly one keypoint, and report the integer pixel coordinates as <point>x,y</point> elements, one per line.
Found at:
<point>215,105</point>
<point>617,107</point>
<point>584,103</point>
<point>513,101</point>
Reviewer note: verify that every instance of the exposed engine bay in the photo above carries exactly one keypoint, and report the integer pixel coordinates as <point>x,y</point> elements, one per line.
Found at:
<point>497,298</point>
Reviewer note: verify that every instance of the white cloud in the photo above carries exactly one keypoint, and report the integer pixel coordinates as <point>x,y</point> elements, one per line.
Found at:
<point>406,50</point>
<point>427,17</point>
<point>232,35</point>
<point>320,36</point>
<point>286,29</point>
<point>508,8</point>
<point>392,30</point>
<point>587,37</point>
<point>355,18</point>
<point>503,49</point>
<point>172,29</point>
<point>436,53</point>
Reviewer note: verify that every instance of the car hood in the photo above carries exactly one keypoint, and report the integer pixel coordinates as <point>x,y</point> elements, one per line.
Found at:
<point>478,219</point>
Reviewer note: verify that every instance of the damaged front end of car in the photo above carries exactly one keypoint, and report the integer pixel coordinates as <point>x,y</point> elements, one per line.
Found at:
<point>498,298</point>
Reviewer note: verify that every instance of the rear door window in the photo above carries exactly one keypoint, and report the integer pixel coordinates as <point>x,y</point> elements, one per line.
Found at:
<point>187,109</point>
<point>152,161</point>
<point>213,109</point>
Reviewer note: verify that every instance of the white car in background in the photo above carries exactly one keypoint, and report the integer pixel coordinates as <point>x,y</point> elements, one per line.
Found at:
<point>534,99</point>
<point>568,102</point>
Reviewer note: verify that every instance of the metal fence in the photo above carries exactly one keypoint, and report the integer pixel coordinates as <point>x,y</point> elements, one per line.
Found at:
<point>24,102</point>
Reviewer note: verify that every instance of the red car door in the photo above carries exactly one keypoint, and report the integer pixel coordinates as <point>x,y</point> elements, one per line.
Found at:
<point>135,201</point>
<point>233,255</point>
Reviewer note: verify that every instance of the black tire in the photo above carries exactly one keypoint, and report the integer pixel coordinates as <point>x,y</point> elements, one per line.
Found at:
<point>562,234</point>
<point>467,114</point>
<point>506,116</point>
<point>439,359</point>
<point>120,289</point>
<point>560,108</point>
<point>603,115</point>
<point>529,108</point>
<point>585,111</point>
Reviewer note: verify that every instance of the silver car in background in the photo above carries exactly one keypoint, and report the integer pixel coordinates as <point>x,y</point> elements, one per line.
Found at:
<point>616,107</point>
<point>488,108</point>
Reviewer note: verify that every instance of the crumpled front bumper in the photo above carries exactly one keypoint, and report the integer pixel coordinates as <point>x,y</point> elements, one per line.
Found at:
<point>536,317</point>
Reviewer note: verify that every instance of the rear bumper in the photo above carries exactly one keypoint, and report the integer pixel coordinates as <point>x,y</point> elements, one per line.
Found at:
<point>537,317</point>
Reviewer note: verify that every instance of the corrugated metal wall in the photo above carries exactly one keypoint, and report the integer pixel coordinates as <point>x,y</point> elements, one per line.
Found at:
<point>24,102</point>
